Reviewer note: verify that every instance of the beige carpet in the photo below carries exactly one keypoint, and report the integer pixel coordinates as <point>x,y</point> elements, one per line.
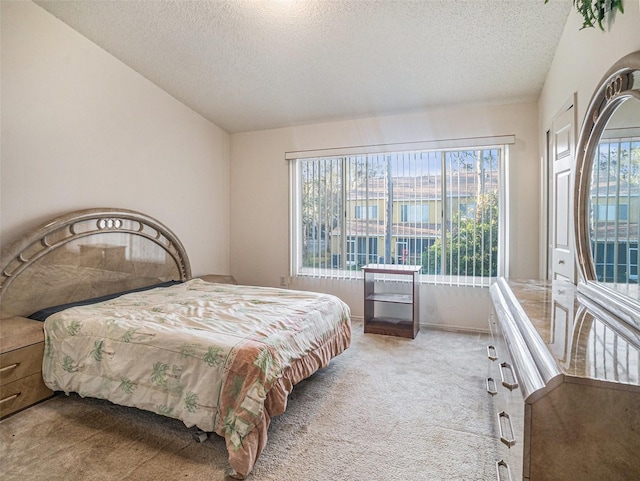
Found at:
<point>386,409</point>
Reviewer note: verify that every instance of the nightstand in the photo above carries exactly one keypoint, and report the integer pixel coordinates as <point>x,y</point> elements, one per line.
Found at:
<point>219,278</point>
<point>21,351</point>
<point>408,323</point>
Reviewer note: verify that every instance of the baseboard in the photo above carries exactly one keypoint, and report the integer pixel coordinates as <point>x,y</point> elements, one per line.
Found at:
<point>439,327</point>
<point>442,327</point>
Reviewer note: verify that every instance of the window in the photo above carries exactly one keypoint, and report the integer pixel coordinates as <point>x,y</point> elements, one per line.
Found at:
<point>607,213</point>
<point>633,264</point>
<point>361,210</point>
<point>436,208</point>
<point>414,213</point>
<point>615,209</point>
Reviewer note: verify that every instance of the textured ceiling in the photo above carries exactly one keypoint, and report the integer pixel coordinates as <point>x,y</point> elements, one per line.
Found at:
<point>251,65</point>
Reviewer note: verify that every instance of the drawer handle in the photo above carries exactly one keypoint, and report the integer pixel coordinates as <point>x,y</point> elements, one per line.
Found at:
<point>9,398</point>
<point>9,367</point>
<point>492,353</point>
<point>509,384</point>
<point>491,386</point>
<point>502,464</point>
<point>509,442</point>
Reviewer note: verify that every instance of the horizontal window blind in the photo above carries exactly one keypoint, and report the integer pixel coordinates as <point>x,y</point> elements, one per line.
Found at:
<point>435,208</point>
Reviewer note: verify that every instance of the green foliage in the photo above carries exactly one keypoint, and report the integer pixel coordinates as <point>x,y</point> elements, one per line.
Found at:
<point>471,244</point>
<point>321,202</point>
<point>617,161</point>
<point>594,11</point>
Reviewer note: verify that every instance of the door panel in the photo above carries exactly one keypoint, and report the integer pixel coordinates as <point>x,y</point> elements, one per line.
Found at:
<point>562,161</point>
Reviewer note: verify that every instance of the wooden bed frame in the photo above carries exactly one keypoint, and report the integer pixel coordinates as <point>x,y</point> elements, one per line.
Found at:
<point>96,252</point>
<point>86,254</point>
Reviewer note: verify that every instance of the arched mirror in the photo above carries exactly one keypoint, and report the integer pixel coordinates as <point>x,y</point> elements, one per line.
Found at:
<point>607,195</point>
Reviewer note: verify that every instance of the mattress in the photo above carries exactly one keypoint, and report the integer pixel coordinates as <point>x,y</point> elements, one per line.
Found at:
<point>220,357</point>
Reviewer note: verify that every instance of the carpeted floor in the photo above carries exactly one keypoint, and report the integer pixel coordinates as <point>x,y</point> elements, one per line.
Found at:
<point>387,409</point>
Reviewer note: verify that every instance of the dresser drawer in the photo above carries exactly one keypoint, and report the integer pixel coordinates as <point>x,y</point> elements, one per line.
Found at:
<point>508,408</point>
<point>509,422</point>
<point>22,393</point>
<point>21,362</point>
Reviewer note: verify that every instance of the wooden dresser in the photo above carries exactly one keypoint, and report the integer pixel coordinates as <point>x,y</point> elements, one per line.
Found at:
<point>21,351</point>
<point>564,377</point>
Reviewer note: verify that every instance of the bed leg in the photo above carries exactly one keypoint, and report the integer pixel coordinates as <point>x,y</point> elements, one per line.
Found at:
<point>200,436</point>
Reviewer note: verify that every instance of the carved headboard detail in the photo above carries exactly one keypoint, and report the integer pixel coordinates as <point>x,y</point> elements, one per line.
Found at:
<point>85,254</point>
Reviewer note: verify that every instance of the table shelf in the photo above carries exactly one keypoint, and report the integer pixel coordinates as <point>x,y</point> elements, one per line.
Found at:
<point>377,280</point>
<point>392,298</point>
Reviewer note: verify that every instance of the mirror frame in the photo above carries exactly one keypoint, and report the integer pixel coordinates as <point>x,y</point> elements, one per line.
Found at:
<point>612,91</point>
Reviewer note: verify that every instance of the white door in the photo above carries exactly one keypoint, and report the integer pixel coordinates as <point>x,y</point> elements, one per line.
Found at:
<point>562,161</point>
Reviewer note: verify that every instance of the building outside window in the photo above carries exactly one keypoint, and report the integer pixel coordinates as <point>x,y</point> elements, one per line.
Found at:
<point>436,208</point>
<point>615,210</point>
<point>360,212</point>
<point>612,212</point>
<point>414,213</point>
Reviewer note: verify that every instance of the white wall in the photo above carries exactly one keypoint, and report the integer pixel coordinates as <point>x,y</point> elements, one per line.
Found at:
<point>580,61</point>
<point>583,57</point>
<point>80,129</point>
<point>259,198</point>
<point>259,171</point>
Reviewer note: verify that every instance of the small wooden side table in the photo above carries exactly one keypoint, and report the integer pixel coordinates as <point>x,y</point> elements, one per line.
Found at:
<point>375,293</point>
<point>21,351</point>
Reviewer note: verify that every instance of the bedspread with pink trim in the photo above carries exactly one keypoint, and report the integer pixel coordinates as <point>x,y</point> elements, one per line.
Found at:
<point>220,357</point>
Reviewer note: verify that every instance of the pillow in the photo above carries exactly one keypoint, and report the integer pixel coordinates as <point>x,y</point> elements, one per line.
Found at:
<point>42,314</point>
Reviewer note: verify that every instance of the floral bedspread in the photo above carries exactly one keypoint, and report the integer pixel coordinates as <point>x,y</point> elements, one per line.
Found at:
<point>207,354</point>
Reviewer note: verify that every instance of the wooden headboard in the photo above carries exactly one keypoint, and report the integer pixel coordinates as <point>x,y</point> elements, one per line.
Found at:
<point>86,254</point>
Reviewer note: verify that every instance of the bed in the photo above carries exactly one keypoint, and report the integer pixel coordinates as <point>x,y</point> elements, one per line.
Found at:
<point>132,326</point>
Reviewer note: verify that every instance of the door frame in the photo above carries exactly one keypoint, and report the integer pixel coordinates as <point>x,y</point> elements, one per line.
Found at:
<point>546,206</point>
